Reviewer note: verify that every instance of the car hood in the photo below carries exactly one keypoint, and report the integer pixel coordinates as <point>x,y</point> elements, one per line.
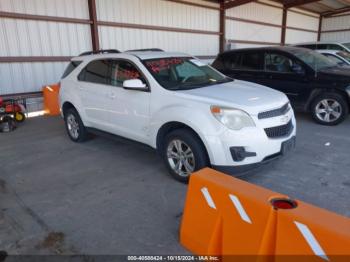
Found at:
<point>247,96</point>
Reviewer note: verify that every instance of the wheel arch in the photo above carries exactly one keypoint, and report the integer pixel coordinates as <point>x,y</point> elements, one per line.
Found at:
<point>315,93</point>
<point>168,127</point>
<point>66,106</point>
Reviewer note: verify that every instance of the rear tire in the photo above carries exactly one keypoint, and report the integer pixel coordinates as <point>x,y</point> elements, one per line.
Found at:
<point>329,109</point>
<point>74,126</point>
<point>183,153</point>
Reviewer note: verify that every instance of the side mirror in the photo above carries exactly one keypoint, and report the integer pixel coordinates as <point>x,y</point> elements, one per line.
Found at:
<point>298,69</point>
<point>134,84</point>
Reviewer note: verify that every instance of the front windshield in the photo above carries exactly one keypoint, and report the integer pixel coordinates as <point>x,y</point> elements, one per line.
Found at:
<point>180,73</point>
<point>344,55</point>
<point>315,60</point>
<point>347,45</point>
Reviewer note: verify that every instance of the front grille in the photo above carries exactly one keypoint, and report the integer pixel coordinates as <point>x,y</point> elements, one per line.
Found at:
<point>276,112</point>
<point>280,131</point>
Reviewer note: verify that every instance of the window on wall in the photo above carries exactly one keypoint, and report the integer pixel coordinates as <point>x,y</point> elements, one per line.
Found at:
<point>124,70</point>
<point>96,72</point>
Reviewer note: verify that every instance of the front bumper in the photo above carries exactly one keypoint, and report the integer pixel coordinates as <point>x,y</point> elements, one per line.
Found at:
<point>253,143</point>
<point>238,170</point>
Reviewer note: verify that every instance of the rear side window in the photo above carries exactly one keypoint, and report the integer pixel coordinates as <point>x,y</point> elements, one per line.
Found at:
<point>97,72</point>
<point>70,68</point>
<point>312,47</point>
<point>252,61</point>
<point>227,61</point>
<point>335,47</point>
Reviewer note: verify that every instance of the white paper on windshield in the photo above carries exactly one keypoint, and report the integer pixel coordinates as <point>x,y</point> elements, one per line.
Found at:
<point>197,62</point>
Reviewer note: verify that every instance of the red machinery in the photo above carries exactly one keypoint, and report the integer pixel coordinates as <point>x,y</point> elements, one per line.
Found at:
<point>12,108</point>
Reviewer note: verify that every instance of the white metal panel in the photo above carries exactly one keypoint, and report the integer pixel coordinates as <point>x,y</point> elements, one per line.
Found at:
<point>28,77</point>
<point>302,21</point>
<point>253,32</point>
<point>336,36</point>
<point>126,38</point>
<point>257,12</point>
<point>334,23</point>
<point>296,36</point>
<point>159,13</point>
<point>40,38</point>
<point>61,8</point>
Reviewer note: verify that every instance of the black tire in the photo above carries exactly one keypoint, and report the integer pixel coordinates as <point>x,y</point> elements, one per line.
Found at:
<point>82,132</point>
<point>343,108</point>
<point>191,140</point>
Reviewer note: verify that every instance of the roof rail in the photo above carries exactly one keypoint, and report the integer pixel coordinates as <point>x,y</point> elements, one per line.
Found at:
<point>147,49</point>
<point>106,51</point>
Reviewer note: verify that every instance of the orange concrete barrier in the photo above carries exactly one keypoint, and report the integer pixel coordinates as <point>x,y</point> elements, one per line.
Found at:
<point>51,104</point>
<point>225,216</point>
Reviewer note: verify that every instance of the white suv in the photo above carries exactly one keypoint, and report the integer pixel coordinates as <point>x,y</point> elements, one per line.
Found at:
<point>192,114</point>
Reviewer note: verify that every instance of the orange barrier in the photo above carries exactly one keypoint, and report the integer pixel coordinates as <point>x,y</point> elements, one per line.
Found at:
<point>51,104</point>
<point>226,216</point>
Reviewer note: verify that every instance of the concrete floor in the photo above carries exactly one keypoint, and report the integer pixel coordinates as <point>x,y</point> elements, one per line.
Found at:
<point>115,197</point>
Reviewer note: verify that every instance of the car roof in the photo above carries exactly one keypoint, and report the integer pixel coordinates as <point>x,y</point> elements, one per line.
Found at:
<point>143,55</point>
<point>288,49</point>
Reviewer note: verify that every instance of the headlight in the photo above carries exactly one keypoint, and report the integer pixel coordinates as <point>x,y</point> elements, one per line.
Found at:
<point>232,118</point>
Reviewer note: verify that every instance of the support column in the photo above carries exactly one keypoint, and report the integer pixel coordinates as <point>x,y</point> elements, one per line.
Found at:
<point>284,26</point>
<point>94,26</point>
<point>319,28</point>
<point>222,41</point>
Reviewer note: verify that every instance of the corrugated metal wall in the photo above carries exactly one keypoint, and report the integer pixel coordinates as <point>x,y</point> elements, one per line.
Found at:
<point>260,24</point>
<point>247,31</point>
<point>333,24</point>
<point>39,38</point>
<point>159,13</point>
<point>301,20</point>
<point>32,38</point>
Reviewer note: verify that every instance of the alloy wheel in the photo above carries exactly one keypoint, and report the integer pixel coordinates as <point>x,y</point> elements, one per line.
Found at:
<point>181,158</point>
<point>328,110</point>
<point>73,126</point>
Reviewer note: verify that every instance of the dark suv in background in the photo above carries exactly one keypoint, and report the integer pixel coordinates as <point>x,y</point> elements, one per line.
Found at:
<point>312,82</point>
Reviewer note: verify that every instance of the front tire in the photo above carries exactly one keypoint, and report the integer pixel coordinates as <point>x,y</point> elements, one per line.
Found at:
<point>74,126</point>
<point>329,109</point>
<point>184,153</point>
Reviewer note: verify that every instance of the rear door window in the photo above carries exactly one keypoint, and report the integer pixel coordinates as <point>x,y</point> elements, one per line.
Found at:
<point>252,61</point>
<point>97,72</point>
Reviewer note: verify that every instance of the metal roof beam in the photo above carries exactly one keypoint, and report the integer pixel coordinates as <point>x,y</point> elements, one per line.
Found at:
<point>296,3</point>
<point>235,3</point>
<point>336,11</point>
